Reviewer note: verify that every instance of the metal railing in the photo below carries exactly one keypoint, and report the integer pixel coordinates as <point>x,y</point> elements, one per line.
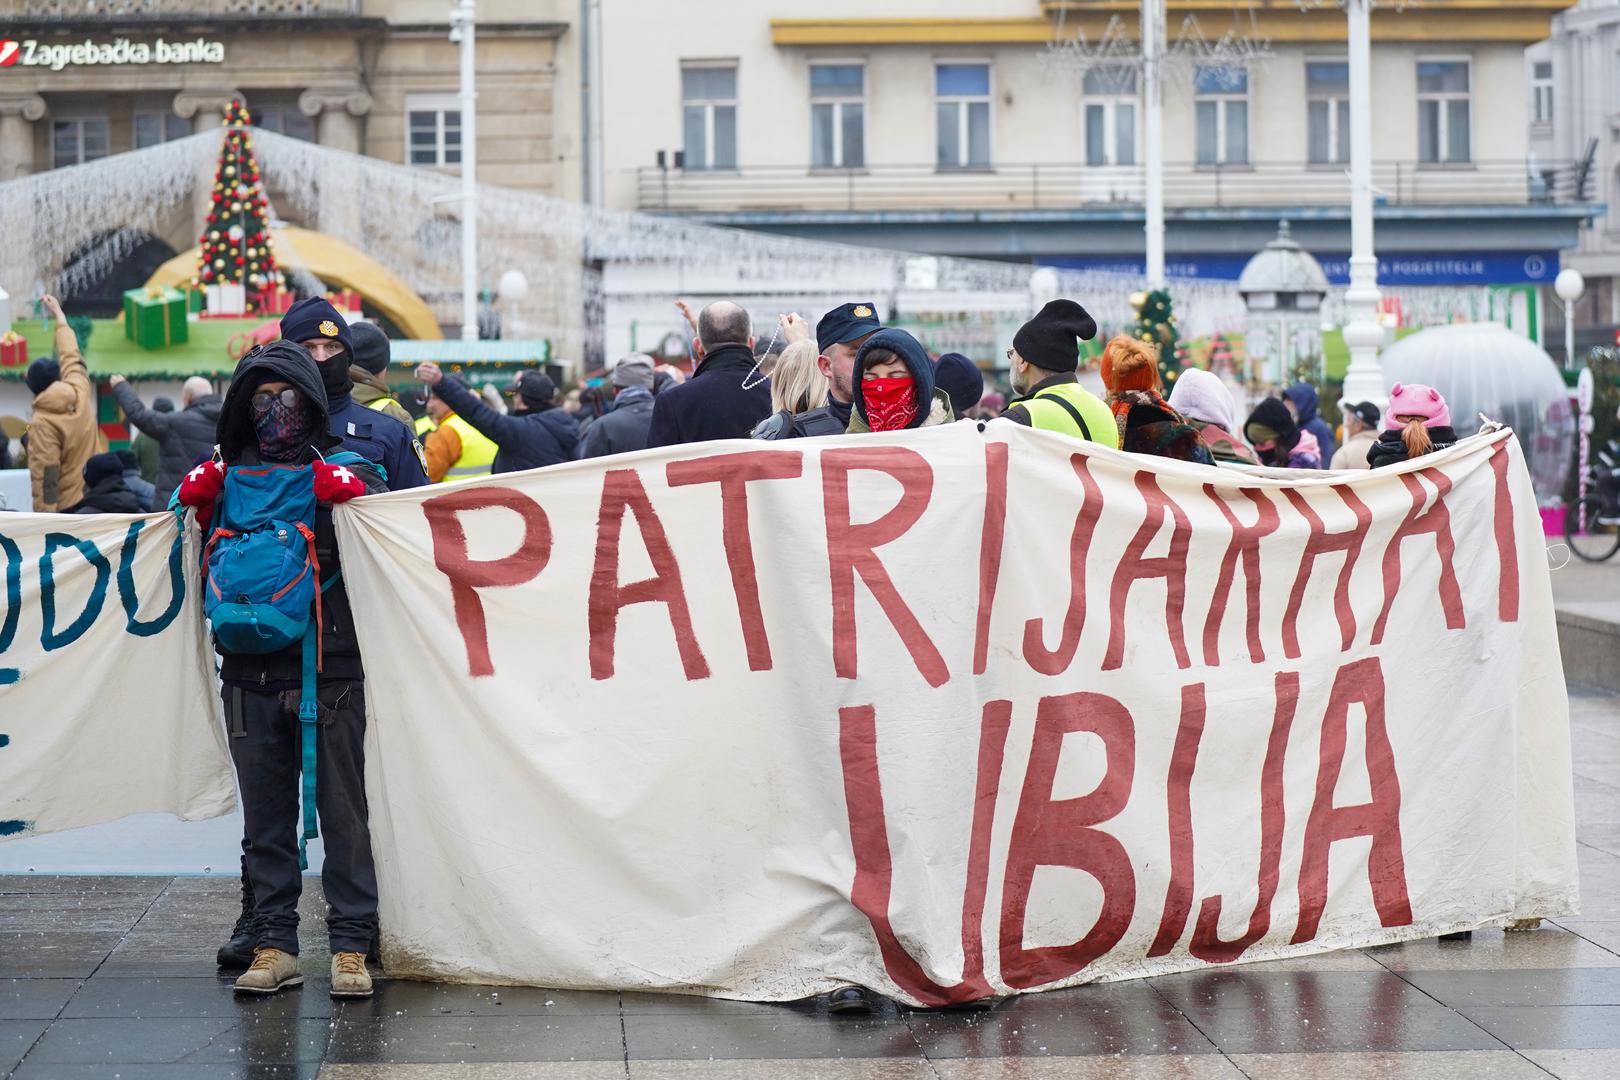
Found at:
<point>1515,182</point>
<point>154,9</point>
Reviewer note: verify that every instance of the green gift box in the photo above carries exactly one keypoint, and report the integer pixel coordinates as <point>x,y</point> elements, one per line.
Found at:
<point>196,300</point>
<point>155,318</point>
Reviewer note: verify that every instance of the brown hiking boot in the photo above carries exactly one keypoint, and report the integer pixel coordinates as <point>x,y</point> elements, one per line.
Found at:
<point>272,971</point>
<point>350,979</point>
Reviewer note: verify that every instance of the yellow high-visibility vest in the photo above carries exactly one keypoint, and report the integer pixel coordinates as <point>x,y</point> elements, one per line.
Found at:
<point>477,451</point>
<point>1047,411</point>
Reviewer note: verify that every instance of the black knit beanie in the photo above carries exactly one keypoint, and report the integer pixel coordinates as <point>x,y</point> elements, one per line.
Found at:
<point>1049,339</point>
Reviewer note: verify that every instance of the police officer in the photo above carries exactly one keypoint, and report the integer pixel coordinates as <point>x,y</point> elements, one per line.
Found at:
<point>316,325</point>
<point>839,335</point>
<point>1045,359</point>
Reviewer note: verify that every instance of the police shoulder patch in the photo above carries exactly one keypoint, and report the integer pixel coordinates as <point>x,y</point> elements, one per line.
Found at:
<point>420,456</point>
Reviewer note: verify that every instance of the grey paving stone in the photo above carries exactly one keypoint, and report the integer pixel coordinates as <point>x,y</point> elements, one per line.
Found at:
<point>407,999</point>
<point>1578,1064</point>
<point>34,999</point>
<point>1390,1020</point>
<point>54,954</point>
<point>146,954</point>
<point>1414,1065</point>
<point>787,1033</point>
<point>1521,987</point>
<point>202,1041</point>
<point>16,1036</point>
<point>126,1071</point>
<point>480,1070</point>
<point>1193,991</point>
<point>179,998</point>
<point>1573,1027</point>
<point>477,1038</point>
<point>650,1004</point>
<point>1106,1067</point>
<point>1027,1027</point>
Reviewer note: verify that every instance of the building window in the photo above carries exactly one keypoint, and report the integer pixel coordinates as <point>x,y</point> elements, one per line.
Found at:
<point>1541,92</point>
<point>1110,110</point>
<point>284,120</point>
<point>432,130</point>
<point>153,128</point>
<point>962,110</point>
<point>74,142</point>
<point>1327,105</point>
<point>1443,111</point>
<point>1222,107</point>
<point>837,116</point>
<point>709,115</point>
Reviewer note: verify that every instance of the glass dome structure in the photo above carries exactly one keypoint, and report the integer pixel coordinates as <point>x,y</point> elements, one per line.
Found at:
<point>1487,368</point>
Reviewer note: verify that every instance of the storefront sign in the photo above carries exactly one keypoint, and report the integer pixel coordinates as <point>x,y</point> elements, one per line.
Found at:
<point>30,52</point>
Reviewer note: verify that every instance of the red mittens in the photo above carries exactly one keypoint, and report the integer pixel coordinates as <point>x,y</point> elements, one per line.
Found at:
<point>202,485</point>
<point>336,483</point>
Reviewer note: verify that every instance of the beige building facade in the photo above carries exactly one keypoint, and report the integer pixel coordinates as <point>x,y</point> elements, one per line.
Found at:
<point>86,79</point>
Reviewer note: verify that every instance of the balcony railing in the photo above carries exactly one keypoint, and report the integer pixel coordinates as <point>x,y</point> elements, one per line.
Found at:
<point>1073,186</point>
<point>113,10</point>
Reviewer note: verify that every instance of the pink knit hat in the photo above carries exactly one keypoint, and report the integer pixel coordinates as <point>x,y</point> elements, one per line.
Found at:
<point>1414,399</point>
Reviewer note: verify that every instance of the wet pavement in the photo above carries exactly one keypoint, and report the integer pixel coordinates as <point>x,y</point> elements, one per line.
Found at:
<point>114,977</point>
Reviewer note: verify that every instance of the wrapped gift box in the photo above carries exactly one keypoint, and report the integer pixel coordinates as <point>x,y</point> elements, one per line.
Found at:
<point>227,299</point>
<point>196,300</point>
<point>155,318</point>
<point>345,300</point>
<point>273,301</point>
<point>13,350</point>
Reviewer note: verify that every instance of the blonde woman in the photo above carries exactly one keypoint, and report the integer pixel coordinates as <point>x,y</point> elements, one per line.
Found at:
<point>797,387</point>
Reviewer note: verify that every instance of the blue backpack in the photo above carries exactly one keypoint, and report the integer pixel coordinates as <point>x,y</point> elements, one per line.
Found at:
<point>262,583</point>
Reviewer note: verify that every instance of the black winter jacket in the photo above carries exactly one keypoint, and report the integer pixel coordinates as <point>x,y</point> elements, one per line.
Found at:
<point>340,643</point>
<point>526,440</point>
<point>1390,449</point>
<point>111,496</point>
<point>185,438</point>
<point>712,404</point>
<point>622,430</point>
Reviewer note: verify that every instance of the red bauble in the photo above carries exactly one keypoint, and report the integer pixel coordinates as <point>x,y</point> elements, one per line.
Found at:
<point>239,260</point>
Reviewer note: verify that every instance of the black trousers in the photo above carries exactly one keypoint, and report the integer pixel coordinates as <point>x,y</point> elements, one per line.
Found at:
<point>267,748</point>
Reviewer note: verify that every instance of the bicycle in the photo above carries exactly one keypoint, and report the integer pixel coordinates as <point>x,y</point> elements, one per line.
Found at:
<point>1592,524</point>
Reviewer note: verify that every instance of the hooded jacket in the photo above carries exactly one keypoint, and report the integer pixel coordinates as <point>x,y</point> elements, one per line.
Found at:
<point>239,445</point>
<point>724,399</point>
<point>1303,395</point>
<point>1273,414</point>
<point>526,440</point>
<point>933,404</point>
<point>63,433</point>
<point>111,495</point>
<point>369,390</point>
<point>1207,404</point>
<point>185,439</point>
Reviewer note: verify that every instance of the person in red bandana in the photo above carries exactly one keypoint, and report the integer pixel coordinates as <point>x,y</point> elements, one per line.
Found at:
<point>896,389</point>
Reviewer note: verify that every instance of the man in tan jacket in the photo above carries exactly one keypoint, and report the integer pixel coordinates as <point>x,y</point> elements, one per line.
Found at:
<point>63,434</point>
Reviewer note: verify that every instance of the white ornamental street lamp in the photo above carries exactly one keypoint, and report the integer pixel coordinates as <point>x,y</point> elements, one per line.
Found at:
<point>462,18</point>
<point>1153,18</point>
<point>1363,380</point>
<point>1282,288</point>
<point>1569,285</point>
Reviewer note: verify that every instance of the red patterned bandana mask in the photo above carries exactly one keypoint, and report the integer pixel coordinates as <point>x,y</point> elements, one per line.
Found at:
<point>891,404</point>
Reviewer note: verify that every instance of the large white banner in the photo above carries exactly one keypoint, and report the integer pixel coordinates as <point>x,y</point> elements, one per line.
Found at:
<point>953,713</point>
<point>107,703</point>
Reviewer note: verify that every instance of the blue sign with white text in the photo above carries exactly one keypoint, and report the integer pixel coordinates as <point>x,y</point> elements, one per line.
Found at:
<point>1426,268</point>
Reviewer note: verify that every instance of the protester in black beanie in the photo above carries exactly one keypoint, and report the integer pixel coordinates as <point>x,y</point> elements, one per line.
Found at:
<point>961,379</point>
<point>1049,339</point>
<point>42,373</point>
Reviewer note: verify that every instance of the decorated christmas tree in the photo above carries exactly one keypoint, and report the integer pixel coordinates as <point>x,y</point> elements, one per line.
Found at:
<point>1157,326</point>
<point>235,240</point>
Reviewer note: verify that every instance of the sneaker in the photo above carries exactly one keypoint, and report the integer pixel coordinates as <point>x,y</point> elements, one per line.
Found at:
<point>350,979</point>
<point>849,1000</point>
<point>272,971</point>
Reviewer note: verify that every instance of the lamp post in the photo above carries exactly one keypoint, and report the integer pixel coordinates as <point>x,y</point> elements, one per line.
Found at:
<point>1153,138</point>
<point>1569,285</point>
<point>462,18</point>
<point>1364,379</point>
